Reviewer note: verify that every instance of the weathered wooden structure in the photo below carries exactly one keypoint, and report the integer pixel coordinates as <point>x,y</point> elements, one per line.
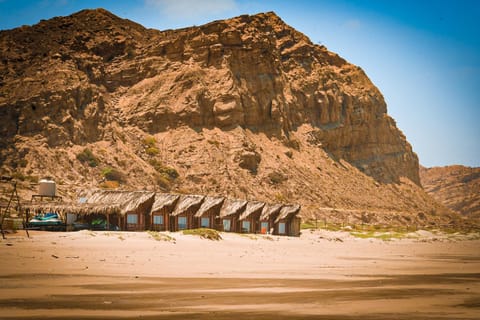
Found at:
<point>267,218</point>
<point>146,210</point>
<point>249,219</point>
<point>207,214</point>
<point>133,207</point>
<point>287,222</point>
<point>161,211</point>
<point>183,215</point>
<point>230,213</point>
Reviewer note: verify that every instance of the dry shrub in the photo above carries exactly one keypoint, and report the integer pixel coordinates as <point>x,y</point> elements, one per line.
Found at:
<point>110,184</point>
<point>112,174</point>
<point>277,177</point>
<point>87,156</point>
<point>204,233</point>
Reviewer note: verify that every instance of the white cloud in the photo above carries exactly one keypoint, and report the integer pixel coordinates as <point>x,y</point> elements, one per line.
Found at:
<point>184,9</point>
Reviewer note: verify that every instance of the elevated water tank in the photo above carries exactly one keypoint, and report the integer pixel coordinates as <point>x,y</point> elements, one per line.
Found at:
<point>47,187</point>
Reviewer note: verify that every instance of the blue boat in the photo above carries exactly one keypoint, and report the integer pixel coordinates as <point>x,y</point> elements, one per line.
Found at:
<point>46,221</point>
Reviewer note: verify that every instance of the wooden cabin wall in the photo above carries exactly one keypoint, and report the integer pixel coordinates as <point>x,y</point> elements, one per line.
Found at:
<point>211,214</point>
<point>254,222</point>
<point>123,223</point>
<point>294,226</point>
<point>165,213</point>
<point>271,226</point>
<point>190,214</point>
<point>114,220</point>
<point>234,223</point>
<point>190,221</point>
<point>144,211</point>
<point>143,217</point>
<point>259,226</point>
<point>133,226</point>
<point>277,227</point>
<point>238,226</point>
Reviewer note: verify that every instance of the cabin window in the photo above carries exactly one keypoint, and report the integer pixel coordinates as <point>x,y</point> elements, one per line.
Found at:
<point>264,227</point>
<point>157,219</point>
<point>205,223</point>
<point>182,223</point>
<point>226,224</point>
<point>281,228</point>
<point>132,218</point>
<point>245,226</point>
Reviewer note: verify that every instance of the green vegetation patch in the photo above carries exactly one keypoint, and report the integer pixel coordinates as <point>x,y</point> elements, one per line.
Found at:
<point>166,171</point>
<point>152,151</point>
<point>165,174</point>
<point>149,141</point>
<point>385,236</point>
<point>321,224</point>
<point>357,227</point>
<point>308,225</point>
<point>204,233</point>
<point>112,174</point>
<point>150,146</point>
<point>86,156</point>
<point>161,236</point>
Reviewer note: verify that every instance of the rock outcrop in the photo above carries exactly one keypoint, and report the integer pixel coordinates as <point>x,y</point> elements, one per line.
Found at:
<point>457,187</point>
<point>228,105</point>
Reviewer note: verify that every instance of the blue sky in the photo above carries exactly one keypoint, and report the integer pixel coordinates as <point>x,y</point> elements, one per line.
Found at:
<point>424,56</point>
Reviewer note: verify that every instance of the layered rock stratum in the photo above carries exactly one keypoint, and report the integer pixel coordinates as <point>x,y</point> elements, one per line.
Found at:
<point>246,107</point>
<point>457,187</point>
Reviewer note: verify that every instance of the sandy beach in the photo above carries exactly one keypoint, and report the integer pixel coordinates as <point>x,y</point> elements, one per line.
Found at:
<point>320,275</point>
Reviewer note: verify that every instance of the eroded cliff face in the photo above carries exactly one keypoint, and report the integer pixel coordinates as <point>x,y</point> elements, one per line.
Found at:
<point>457,187</point>
<point>247,107</point>
<point>256,72</point>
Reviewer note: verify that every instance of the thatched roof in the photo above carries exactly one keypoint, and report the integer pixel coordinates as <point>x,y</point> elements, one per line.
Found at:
<point>127,201</point>
<point>252,207</point>
<point>209,203</point>
<point>63,208</point>
<point>288,211</point>
<point>270,210</point>
<point>115,201</point>
<point>232,206</point>
<point>186,202</point>
<point>163,200</point>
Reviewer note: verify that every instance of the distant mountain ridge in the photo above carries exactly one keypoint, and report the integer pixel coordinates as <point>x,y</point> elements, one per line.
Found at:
<point>457,187</point>
<point>246,107</point>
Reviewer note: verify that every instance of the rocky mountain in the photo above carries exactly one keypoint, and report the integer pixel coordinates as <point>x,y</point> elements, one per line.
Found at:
<point>457,187</point>
<point>246,107</point>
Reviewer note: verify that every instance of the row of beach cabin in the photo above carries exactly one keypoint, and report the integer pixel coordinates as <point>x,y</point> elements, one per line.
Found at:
<point>145,210</point>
